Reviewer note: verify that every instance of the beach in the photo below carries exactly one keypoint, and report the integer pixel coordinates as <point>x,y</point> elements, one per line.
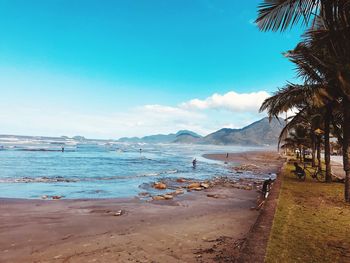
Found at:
<point>201,226</point>
<point>258,162</point>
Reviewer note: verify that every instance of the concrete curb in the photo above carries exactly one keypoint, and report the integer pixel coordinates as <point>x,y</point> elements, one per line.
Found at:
<point>254,248</point>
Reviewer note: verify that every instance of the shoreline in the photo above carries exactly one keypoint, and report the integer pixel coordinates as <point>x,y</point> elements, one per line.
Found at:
<point>259,162</point>
<point>202,226</point>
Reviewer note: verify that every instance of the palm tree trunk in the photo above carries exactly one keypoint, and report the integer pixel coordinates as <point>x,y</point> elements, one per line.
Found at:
<point>318,146</point>
<point>338,132</point>
<point>346,146</point>
<point>313,150</point>
<point>327,149</point>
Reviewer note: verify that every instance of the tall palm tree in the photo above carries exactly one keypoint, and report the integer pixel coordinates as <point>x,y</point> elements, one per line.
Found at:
<point>329,31</point>
<point>307,101</point>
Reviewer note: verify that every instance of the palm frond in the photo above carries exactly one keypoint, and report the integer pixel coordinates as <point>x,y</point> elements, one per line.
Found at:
<point>280,14</point>
<point>293,96</point>
<point>298,119</point>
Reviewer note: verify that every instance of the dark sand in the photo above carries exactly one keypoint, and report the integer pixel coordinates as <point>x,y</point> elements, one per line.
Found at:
<point>260,162</point>
<point>191,228</point>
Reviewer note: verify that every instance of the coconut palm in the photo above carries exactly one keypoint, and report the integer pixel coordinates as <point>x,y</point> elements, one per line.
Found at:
<point>307,101</point>
<point>329,33</point>
<point>298,138</point>
<point>313,67</point>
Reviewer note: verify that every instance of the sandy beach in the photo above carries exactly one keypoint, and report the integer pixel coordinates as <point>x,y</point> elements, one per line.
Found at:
<point>260,162</point>
<point>200,226</point>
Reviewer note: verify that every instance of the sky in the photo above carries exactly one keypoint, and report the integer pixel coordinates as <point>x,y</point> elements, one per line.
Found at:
<point>109,69</point>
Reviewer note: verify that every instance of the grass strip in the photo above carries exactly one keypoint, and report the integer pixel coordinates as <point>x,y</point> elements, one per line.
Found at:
<point>311,223</point>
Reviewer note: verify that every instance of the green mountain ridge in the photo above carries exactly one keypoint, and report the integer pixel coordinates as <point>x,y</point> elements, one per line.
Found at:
<point>262,132</point>
<point>259,133</point>
<point>161,138</point>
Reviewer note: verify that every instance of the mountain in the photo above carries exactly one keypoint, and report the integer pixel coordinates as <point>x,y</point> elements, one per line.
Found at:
<point>187,137</point>
<point>79,138</point>
<point>163,138</point>
<point>261,132</point>
<point>129,139</point>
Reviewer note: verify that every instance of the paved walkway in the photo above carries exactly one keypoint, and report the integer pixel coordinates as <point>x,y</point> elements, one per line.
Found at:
<point>337,166</point>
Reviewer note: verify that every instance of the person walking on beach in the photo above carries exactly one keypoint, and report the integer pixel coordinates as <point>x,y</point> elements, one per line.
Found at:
<point>226,155</point>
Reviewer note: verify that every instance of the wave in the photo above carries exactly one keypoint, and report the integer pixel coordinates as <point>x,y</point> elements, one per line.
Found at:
<point>171,171</point>
<point>58,179</point>
<point>44,150</point>
<point>61,179</point>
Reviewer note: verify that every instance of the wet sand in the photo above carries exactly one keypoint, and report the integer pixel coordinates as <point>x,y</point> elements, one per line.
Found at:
<point>159,231</point>
<point>259,162</point>
<point>190,228</point>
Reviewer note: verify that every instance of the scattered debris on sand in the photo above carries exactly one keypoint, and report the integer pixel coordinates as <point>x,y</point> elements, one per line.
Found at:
<point>181,180</point>
<point>167,196</point>
<point>179,192</point>
<point>158,197</point>
<point>192,185</point>
<point>247,167</point>
<point>160,185</point>
<point>144,194</point>
<point>205,185</point>
<point>119,213</point>
<point>53,197</point>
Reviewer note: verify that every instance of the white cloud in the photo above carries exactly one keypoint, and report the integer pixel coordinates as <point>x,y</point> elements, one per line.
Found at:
<point>161,110</point>
<point>140,121</point>
<point>240,110</point>
<point>38,102</point>
<point>231,101</point>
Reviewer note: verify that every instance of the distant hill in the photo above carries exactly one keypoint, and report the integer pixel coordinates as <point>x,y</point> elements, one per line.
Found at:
<point>187,137</point>
<point>179,137</point>
<point>261,132</point>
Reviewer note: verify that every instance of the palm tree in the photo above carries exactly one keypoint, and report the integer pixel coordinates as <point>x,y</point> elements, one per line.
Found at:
<point>300,119</point>
<point>312,66</point>
<point>301,128</point>
<point>329,33</point>
<point>298,139</point>
<point>307,101</point>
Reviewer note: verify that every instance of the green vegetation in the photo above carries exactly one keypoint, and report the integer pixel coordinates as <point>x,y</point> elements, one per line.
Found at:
<point>311,224</point>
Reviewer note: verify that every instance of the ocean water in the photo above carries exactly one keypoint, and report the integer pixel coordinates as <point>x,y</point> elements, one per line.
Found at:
<point>31,169</point>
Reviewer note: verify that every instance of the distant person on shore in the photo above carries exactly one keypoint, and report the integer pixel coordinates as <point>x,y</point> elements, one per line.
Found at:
<point>299,171</point>
<point>266,188</point>
<point>194,163</point>
<point>226,155</point>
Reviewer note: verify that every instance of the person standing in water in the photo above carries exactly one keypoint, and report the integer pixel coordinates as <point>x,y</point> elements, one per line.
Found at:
<point>62,148</point>
<point>194,163</point>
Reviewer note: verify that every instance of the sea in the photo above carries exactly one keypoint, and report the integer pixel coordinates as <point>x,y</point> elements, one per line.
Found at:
<point>36,168</point>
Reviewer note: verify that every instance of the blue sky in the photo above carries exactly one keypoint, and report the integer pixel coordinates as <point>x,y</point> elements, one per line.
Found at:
<point>107,69</point>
